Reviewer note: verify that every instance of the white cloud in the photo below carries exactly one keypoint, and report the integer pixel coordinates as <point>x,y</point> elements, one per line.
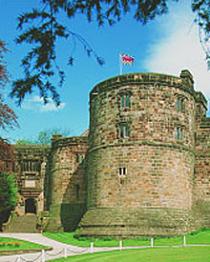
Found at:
<point>37,103</point>
<point>179,49</point>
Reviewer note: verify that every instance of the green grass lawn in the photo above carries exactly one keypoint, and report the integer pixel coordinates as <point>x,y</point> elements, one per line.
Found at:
<point>187,254</point>
<point>12,244</point>
<point>200,237</point>
<point>68,238</point>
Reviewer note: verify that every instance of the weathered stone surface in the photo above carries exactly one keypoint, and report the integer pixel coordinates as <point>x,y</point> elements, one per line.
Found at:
<point>67,183</point>
<point>144,168</point>
<point>159,167</point>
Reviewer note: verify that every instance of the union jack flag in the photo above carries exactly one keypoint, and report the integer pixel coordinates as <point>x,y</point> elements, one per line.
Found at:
<point>127,59</point>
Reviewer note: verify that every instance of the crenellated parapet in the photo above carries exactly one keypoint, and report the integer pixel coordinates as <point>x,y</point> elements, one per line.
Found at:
<point>59,141</point>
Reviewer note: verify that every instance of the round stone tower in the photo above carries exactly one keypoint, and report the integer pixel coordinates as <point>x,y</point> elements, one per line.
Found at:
<point>66,184</point>
<point>140,160</point>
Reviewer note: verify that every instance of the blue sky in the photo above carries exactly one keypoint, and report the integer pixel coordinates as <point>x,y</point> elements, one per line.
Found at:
<point>166,45</point>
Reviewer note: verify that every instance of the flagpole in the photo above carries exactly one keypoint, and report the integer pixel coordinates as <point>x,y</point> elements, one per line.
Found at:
<point>120,63</point>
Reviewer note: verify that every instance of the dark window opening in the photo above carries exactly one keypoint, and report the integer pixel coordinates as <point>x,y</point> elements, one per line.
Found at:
<point>122,171</point>
<point>30,205</point>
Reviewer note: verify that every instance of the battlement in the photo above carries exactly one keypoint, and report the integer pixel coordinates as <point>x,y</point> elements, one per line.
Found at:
<point>31,151</point>
<point>200,98</point>
<point>147,78</point>
<point>35,147</point>
<point>59,141</point>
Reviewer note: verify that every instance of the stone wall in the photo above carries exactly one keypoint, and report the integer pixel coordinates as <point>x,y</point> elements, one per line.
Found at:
<point>67,183</point>
<point>149,172</point>
<point>30,168</point>
<point>144,168</point>
<point>6,157</point>
<point>202,174</point>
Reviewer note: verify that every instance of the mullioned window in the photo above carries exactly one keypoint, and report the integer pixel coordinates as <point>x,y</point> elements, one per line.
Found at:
<point>122,171</point>
<point>125,100</point>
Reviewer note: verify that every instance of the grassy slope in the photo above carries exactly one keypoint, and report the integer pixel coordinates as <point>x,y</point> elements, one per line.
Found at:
<point>202,237</point>
<point>68,238</point>
<point>24,245</point>
<point>189,254</point>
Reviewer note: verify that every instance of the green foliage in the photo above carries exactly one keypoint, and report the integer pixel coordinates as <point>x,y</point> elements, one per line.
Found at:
<point>44,137</point>
<point>41,29</point>
<point>202,11</point>
<point>25,142</point>
<point>8,191</point>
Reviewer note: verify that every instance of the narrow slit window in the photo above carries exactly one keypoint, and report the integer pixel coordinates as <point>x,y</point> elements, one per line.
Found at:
<point>180,104</point>
<point>179,133</point>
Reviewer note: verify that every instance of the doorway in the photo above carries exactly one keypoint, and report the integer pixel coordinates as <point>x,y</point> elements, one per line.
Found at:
<point>30,205</point>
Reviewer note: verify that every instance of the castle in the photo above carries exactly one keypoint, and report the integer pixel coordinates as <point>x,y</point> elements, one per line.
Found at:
<point>143,169</point>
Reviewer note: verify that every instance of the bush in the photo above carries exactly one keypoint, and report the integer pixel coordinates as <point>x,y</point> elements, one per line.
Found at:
<point>8,191</point>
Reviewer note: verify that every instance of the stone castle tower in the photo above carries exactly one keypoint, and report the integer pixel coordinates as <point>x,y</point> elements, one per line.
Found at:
<point>144,168</point>
<point>140,159</point>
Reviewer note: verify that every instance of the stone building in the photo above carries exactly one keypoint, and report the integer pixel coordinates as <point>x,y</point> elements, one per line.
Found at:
<point>144,168</point>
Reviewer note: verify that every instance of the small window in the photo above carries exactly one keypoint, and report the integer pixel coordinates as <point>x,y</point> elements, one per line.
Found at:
<point>180,105</point>
<point>80,158</point>
<point>122,171</point>
<point>125,101</point>
<point>13,167</point>
<point>179,133</point>
<point>6,163</point>
<point>124,131</point>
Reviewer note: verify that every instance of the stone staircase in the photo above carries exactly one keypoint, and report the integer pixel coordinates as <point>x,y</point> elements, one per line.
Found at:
<point>21,224</point>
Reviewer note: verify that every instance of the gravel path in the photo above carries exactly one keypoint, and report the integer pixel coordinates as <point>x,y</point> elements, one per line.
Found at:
<point>59,249</point>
